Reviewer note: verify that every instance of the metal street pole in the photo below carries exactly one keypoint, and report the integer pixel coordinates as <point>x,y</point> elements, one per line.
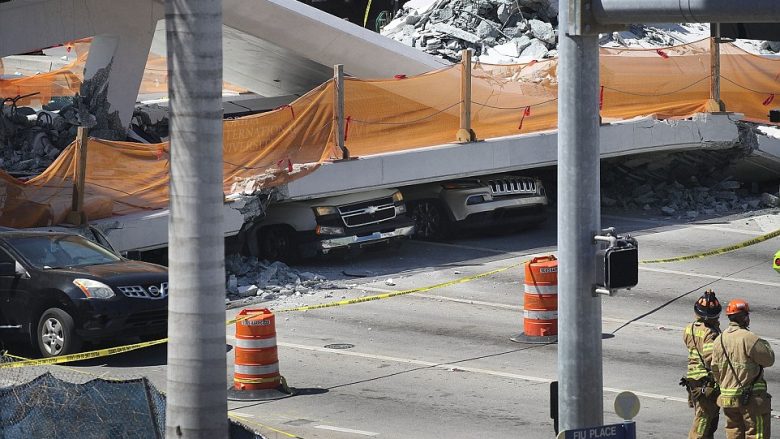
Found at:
<point>579,312</point>
<point>196,376</point>
<point>685,11</point>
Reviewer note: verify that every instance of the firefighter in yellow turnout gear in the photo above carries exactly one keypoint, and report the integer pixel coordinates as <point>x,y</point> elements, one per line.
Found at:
<point>702,389</point>
<point>738,361</point>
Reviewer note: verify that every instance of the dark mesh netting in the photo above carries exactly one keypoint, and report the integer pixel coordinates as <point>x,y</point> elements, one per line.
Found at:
<point>48,407</point>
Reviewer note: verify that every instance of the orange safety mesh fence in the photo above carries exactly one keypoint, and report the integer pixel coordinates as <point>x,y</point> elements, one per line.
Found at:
<point>64,81</point>
<point>749,83</point>
<point>397,114</point>
<point>125,177</point>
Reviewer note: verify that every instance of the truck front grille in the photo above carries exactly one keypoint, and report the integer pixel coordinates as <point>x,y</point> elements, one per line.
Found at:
<point>154,291</point>
<point>512,186</point>
<point>367,212</point>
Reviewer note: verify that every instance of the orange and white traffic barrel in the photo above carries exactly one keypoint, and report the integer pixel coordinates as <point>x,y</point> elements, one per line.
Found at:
<point>540,301</point>
<point>256,369</point>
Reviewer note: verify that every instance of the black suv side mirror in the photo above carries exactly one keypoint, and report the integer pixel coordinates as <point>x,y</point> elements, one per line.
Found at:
<point>7,269</point>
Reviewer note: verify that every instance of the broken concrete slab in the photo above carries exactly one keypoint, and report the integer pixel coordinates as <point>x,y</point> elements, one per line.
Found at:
<point>770,200</point>
<point>455,32</point>
<point>536,50</point>
<point>542,31</point>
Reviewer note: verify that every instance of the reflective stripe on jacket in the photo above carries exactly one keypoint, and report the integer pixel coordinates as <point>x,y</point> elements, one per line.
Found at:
<point>748,354</point>
<point>699,336</point>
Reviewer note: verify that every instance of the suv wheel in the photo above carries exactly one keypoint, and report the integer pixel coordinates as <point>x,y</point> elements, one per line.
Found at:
<point>430,220</point>
<point>276,244</point>
<point>56,334</point>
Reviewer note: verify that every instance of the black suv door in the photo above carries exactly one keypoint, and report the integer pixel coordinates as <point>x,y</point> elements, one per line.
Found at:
<point>13,297</point>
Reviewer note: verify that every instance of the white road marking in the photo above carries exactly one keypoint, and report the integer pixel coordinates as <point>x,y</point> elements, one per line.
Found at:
<point>726,229</point>
<point>243,415</point>
<point>638,220</point>
<point>520,309</point>
<point>346,430</point>
<point>543,250</point>
<point>710,276</point>
<point>662,223</point>
<point>470,301</point>
<point>464,247</point>
<point>459,367</point>
<point>417,362</point>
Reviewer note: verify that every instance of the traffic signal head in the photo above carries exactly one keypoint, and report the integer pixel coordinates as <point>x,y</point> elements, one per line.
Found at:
<point>618,266</point>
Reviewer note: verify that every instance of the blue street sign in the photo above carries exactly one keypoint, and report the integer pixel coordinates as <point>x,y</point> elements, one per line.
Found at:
<point>614,431</point>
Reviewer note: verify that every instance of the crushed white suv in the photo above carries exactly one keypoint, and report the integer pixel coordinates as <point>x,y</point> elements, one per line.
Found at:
<point>493,200</point>
<point>294,229</point>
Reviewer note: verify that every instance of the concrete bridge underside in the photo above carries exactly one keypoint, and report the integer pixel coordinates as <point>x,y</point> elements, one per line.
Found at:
<point>283,47</point>
<point>271,47</point>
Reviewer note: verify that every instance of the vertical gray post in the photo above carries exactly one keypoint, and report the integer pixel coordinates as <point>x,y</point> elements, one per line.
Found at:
<point>715,103</point>
<point>579,312</point>
<point>465,133</point>
<point>77,216</point>
<point>196,386</point>
<point>338,108</point>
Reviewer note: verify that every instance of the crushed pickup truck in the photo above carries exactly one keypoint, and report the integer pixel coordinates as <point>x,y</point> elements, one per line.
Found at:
<point>307,228</point>
<point>492,200</point>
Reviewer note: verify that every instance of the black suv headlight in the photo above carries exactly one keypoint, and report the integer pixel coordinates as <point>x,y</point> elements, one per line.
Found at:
<point>94,289</point>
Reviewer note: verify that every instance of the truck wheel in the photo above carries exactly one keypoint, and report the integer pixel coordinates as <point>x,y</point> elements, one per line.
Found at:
<point>56,334</point>
<point>430,220</point>
<point>276,244</point>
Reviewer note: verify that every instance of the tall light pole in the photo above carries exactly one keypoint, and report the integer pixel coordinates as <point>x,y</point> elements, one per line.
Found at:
<point>579,312</point>
<point>197,378</point>
<point>580,390</point>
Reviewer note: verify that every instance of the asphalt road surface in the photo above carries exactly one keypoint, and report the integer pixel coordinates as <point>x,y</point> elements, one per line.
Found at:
<point>440,363</point>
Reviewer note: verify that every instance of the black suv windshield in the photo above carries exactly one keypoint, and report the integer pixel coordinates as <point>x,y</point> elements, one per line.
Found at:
<point>57,251</point>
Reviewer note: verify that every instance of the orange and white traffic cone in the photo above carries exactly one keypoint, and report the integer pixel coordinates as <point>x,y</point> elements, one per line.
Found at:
<point>256,372</point>
<point>540,302</point>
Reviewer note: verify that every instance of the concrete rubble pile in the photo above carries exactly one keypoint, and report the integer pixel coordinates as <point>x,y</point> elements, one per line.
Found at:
<point>682,185</point>
<point>499,31</point>
<point>518,31</point>
<point>31,140</point>
<point>665,35</point>
<point>249,277</point>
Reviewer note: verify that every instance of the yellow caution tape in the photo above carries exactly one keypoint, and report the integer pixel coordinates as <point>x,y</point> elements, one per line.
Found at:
<point>398,293</point>
<point>253,423</point>
<point>365,16</point>
<point>381,296</point>
<point>717,251</point>
<point>80,356</point>
<point>127,348</point>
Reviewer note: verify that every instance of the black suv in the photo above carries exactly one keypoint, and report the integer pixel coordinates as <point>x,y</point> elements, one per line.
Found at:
<point>59,289</point>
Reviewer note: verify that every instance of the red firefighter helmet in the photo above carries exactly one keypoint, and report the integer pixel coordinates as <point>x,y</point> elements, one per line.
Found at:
<point>737,306</point>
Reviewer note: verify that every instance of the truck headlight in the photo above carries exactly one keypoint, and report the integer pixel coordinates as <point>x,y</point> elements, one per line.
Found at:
<point>400,209</point>
<point>398,196</point>
<point>325,210</point>
<point>326,230</point>
<point>476,199</point>
<point>94,289</point>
